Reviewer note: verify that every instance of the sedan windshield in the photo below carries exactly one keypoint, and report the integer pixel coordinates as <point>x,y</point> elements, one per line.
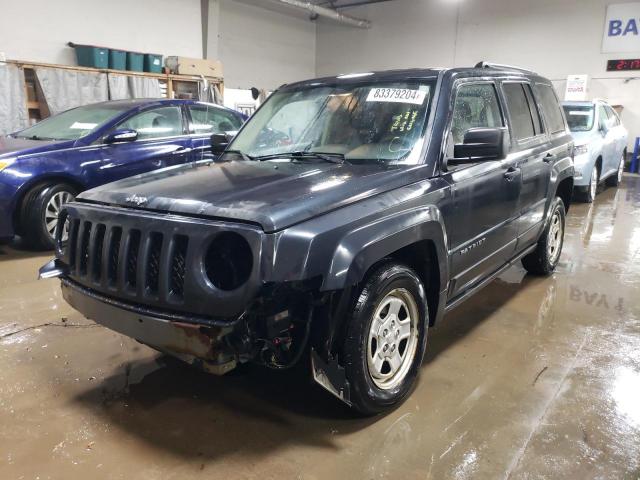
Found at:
<point>579,117</point>
<point>354,123</point>
<point>72,124</point>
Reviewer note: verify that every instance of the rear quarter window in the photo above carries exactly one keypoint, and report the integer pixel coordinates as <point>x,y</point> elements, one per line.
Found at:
<point>550,108</point>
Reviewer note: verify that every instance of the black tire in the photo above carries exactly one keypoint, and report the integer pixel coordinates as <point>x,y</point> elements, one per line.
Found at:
<point>367,397</point>
<point>32,214</point>
<point>616,179</point>
<point>541,261</point>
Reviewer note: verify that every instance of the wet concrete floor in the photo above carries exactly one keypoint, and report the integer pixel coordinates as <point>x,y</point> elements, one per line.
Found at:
<point>532,378</point>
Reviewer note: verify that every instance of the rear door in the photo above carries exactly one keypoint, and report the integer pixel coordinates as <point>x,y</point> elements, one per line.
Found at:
<point>482,224</point>
<point>530,152</point>
<point>161,142</point>
<point>205,120</point>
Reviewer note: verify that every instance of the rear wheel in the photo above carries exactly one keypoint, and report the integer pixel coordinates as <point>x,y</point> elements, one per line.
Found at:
<point>39,214</point>
<point>386,338</point>
<point>543,260</point>
<point>615,180</point>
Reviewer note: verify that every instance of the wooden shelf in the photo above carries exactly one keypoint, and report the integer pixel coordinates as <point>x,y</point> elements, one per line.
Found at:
<point>38,108</point>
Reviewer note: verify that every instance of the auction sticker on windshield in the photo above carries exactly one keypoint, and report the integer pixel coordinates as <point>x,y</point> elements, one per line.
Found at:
<point>397,95</point>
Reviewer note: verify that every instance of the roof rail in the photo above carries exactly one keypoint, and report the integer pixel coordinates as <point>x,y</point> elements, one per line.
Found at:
<point>500,66</point>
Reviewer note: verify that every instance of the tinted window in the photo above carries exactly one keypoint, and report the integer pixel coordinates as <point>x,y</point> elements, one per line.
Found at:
<point>475,106</point>
<point>550,108</point>
<point>206,119</point>
<point>156,123</point>
<point>519,113</point>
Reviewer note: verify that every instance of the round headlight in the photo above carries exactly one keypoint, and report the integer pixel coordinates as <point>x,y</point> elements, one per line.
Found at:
<point>228,261</point>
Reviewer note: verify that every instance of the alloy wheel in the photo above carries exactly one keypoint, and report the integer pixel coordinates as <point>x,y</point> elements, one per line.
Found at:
<point>52,211</point>
<point>593,186</point>
<point>393,339</point>
<point>554,240</point>
<point>621,169</point>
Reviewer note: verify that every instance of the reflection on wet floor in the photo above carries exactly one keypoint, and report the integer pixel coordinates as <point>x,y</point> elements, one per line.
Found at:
<point>532,378</point>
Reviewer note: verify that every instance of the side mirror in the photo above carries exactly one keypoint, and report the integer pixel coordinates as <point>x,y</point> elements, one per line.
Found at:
<point>481,144</point>
<point>119,136</point>
<point>603,129</point>
<point>220,141</point>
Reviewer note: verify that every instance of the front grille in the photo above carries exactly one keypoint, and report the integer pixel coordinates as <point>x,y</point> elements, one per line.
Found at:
<point>128,260</point>
<point>154,261</point>
<point>178,265</point>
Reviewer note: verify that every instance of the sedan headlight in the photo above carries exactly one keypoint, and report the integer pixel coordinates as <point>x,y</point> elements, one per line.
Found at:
<point>580,150</point>
<point>6,162</point>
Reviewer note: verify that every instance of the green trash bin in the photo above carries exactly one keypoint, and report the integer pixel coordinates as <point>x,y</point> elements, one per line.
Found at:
<point>92,56</point>
<point>135,62</point>
<point>117,59</point>
<point>152,63</point>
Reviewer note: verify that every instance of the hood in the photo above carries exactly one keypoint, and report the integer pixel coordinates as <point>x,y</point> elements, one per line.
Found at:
<point>12,147</point>
<point>274,195</point>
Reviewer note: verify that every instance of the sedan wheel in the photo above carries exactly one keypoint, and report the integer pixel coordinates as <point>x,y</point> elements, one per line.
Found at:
<point>53,210</point>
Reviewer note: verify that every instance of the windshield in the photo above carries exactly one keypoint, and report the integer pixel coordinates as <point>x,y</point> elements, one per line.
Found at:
<point>359,123</point>
<point>72,124</point>
<point>579,117</point>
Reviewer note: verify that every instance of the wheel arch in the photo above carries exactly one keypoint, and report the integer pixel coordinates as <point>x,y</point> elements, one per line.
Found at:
<point>564,190</point>
<point>38,182</point>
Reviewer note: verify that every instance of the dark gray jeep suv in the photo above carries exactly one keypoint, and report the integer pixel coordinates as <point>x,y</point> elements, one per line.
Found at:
<point>347,216</point>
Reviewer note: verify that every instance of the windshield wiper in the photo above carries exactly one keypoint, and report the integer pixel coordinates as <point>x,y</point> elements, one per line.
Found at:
<point>302,155</point>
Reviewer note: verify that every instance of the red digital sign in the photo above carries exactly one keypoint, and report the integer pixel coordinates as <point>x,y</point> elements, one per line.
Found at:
<point>620,65</point>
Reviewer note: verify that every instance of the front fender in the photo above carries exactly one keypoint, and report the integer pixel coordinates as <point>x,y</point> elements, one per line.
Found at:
<point>362,248</point>
<point>340,246</point>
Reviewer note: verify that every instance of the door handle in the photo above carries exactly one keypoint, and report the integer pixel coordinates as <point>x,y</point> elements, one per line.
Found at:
<point>512,173</point>
<point>181,151</point>
<point>548,158</point>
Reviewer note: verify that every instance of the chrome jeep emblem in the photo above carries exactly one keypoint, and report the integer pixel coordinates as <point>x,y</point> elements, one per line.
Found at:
<point>137,199</point>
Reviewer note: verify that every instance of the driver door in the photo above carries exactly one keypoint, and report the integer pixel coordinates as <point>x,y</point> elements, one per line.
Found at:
<point>161,142</point>
<point>482,224</point>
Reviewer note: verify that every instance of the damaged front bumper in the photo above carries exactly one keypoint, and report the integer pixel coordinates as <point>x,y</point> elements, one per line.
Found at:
<point>201,345</point>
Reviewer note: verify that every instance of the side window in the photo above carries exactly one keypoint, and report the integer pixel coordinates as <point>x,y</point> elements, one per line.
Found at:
<point>519,113</point>
<point>535,113</point>
<point>550,108</point>
<point>603,117</point>
<point>614,121</point>
<point>475,105</point>
<point>156,123</point>
<point>210,120</point>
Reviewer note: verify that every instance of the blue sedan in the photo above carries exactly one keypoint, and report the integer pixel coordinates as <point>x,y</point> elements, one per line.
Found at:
<point>48,164</point>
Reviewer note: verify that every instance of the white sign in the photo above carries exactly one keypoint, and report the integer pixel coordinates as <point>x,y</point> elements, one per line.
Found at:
<point>576,89</point>
<point>622,28</point>
<point>397,95</point>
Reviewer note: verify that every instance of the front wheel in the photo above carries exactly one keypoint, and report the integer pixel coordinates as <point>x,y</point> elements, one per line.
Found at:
<point>386,338</point>
<point>40,210</point>
<point>544,259</point>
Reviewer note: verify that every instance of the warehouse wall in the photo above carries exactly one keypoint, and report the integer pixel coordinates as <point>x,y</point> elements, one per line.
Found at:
<point>38,30</point>
<point>555,38</point>
<point>263,48</point>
